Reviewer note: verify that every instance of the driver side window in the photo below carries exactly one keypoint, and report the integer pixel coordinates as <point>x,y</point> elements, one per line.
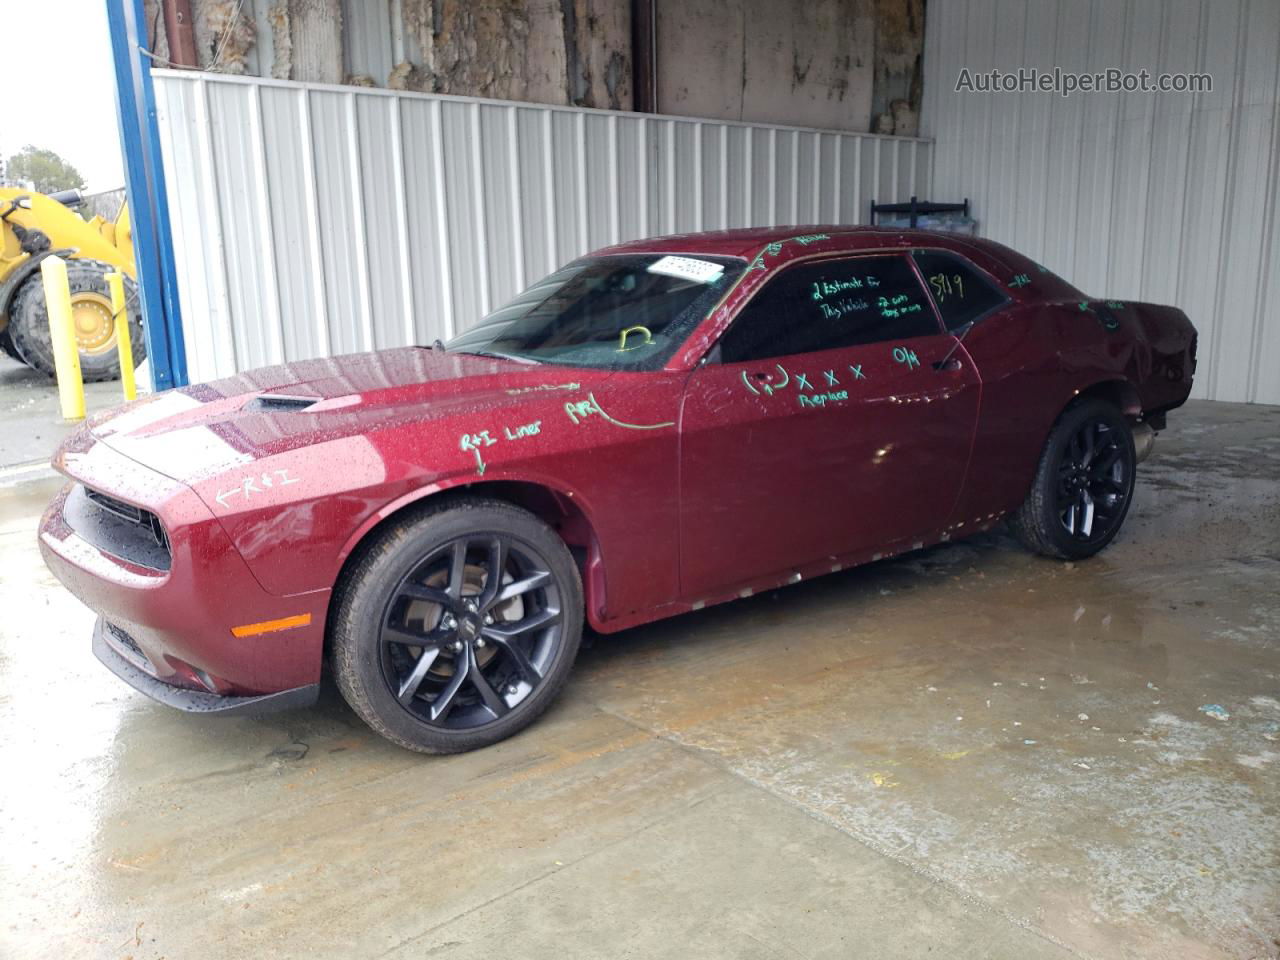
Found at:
<point>829,305</point>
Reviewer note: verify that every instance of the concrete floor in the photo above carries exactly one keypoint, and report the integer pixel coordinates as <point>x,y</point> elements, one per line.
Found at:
<point>31,424</point>
<point>968,752</point>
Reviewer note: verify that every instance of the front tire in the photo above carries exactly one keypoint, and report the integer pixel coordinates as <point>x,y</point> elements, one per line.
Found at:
<point>456,626</point>
<point>1083,484</point>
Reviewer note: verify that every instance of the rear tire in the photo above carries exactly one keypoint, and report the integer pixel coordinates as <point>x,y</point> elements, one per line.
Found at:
<point>99,359</point>
<point>435,650</point>
<point>1083,485</point>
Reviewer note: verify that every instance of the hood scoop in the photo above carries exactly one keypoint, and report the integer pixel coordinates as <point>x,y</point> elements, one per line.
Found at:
<point>279,402</point>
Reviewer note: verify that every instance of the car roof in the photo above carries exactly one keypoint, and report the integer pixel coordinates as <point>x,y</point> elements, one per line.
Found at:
<point>746,242</point>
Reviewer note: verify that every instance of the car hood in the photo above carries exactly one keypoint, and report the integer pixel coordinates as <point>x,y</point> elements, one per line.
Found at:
<point>194,433</point>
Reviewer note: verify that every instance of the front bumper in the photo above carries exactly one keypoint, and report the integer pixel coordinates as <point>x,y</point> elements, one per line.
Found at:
<point>193,701</point>
<point>180,620</point>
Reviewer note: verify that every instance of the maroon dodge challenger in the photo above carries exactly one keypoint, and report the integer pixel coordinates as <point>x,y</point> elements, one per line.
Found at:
<point>659,426</point>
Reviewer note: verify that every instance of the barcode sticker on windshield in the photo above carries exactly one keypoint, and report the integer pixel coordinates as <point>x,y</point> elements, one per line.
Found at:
<point>687,268</point>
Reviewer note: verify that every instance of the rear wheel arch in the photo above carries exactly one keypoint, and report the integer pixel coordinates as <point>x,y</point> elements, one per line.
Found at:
<point>1103,482</point>
<point>1118,391</point>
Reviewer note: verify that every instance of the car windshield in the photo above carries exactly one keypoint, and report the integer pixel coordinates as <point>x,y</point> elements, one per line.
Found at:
<point>625,312</point>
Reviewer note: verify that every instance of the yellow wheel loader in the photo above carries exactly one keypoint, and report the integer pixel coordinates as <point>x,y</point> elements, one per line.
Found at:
<point>35,226</point>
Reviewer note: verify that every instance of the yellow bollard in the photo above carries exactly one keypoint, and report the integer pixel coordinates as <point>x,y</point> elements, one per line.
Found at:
<point>66,352</point>
<point>115,283</point>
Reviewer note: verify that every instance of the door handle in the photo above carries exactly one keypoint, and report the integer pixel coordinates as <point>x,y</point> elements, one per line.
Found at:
<point>770,381</point>
<point>950,364</point>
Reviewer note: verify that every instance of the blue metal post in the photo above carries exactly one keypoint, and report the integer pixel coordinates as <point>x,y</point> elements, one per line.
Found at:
<point>148,200</point>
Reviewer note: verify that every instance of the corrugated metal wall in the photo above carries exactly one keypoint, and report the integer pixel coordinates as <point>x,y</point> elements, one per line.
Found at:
<point>313,220</point>
<point>1168,197</point>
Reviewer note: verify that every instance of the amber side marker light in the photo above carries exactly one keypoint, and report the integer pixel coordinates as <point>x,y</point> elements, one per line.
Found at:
<point>271,626</point>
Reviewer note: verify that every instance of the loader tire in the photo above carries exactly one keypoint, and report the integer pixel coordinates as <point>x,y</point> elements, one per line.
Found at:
<point>91,309</point>
<point>7,347</point>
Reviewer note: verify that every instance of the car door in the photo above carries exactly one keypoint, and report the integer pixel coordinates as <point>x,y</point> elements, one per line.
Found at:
<point>1015,357</point>
<point>819,427</point>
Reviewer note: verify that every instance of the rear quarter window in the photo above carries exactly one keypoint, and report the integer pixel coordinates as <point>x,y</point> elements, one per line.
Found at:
<point>961,291</point>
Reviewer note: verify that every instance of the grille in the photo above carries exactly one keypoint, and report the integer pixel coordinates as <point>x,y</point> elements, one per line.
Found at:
<point>126,641</point>
<point>118,528</point>
<point>127,511</point>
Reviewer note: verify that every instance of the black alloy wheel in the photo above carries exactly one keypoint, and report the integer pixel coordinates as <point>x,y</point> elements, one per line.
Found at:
<point>1093,481</point>
<point>456,624</point>
<point>1083,485</point>
<point>469,633</point>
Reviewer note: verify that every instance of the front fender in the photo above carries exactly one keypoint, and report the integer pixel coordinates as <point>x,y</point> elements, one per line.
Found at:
<point>457,483</point>
<point>553,501</point>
